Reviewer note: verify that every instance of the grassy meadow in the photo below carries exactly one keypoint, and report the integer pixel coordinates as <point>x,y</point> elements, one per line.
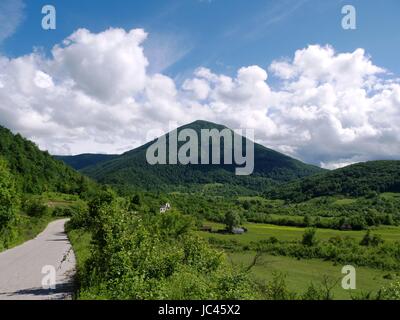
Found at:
<point>258,231</point>
<point>301,273</point>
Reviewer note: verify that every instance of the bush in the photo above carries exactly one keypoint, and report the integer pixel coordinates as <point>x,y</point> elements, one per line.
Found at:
<point>392,292</point>
<point>313,293</point>
<point>232,220</point>
<point>309,238</point>
<point>141,256</point>
<point>276,289</point>
<point>9,198</point>
<point>35,208</point>
<point>63,212</point>
<point>371,240</point>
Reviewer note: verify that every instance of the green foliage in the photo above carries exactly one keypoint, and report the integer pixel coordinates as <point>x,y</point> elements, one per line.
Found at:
<point>327,212</point>
<point>62,212</point>
<point>24,228</point>
<point>343,250</point>
<point>276,289</point>
<point>362,179</point>
<point>82,161</point>
<point>131,171</point>
<point>232,220</point>
<point>34,207</point>
<point>9,197</point>
<point>147,256</point>
<point>371,240</point>
<point>35,171</point>
<point>391,292</point>
<point>309,238</point>
<point>307,220</point>
<point>313,293</point>
<point>173,224</point>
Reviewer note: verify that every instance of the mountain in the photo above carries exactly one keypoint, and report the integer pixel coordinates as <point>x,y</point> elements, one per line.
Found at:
<point>36,171</point>
<point>82,161</point>
<point>131,169</point>
<point>361,179</point>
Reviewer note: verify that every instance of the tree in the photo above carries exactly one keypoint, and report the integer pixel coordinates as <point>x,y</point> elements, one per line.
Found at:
<point>246,205</point>
<point>135,202</point>
<point>9,200</point>
<point>307,221</point>
<point>309,238</point>
<point>371,240</point>
<point>232,220</point>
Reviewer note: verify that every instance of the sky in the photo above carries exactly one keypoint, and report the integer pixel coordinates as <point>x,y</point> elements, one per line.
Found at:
<point>114,73</point>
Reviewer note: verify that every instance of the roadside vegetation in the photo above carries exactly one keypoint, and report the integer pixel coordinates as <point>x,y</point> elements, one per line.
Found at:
<point>34,189</point>
<point>126,249</point>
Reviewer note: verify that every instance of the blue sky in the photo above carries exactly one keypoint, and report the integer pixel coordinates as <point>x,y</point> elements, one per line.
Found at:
<point>220,34</point>
<point>285,68</point>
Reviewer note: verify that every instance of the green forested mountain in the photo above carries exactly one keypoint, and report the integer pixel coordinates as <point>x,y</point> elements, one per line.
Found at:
<point>36,171</point>
<point>82,161</point>
<point>132,170</point>
<point>360,179</point>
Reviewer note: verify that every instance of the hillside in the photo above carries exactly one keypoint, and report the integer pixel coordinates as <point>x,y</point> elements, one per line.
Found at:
<point>36,171</point>
<point>132,170</point>
<point>82,161</point>
<point>356,180</point>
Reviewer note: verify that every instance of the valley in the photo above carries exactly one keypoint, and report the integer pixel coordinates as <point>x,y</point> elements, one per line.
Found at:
<point>283,233</point>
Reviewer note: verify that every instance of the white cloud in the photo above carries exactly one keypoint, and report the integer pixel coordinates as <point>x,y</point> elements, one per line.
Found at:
<point>95,94</point>
<point>110,65</point>
<point>11,15</point>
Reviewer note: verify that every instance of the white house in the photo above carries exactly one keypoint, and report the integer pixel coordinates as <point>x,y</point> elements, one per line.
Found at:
<point>165,208</point>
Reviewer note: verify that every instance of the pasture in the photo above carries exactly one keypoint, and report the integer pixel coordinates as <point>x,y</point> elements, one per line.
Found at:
<point>259,231</point>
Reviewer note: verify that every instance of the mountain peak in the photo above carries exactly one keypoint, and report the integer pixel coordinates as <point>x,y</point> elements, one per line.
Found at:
<point>203,124</point>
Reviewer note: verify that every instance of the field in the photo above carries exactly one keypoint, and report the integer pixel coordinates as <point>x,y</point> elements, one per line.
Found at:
<point>258,231</point>
<point>301,273</point>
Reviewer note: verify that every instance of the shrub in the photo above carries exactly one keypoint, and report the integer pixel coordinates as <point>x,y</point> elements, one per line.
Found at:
<point>143,256</point>
<point>232,220</point>
<point>313,293</point>
<point>35,208</point>
<point>371,240</point>
<point>9,198</point>
<point>276,289</point>
<point>63,212</point>
<point>392,292</point>
<point>309,238</point>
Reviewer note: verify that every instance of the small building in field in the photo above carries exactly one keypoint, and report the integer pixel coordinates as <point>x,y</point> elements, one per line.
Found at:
<point>346,227</point>
<point>238,230</point>
<point>206,228</point>
<point>165,208</point>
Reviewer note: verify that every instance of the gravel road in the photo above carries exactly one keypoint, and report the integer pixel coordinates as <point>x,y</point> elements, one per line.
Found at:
<point>23,269</point>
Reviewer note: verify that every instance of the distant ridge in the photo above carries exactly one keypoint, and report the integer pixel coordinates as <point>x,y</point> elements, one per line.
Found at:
<point>361,179</point>
<point>82,161</point>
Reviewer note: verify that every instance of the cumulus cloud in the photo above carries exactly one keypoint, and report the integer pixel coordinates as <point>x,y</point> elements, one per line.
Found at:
<point>96,94</point>
<point>110,65</point>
